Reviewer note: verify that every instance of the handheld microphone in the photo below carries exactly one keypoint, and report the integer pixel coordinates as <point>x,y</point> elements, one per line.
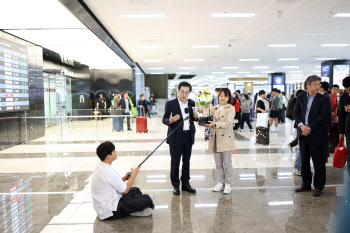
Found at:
<point>186,110</point>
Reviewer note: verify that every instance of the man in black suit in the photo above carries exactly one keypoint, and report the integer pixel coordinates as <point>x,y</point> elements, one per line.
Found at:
<point>311,114</point>
<point>344,117</point>
<point>125,105</point>
<point>181,141</point>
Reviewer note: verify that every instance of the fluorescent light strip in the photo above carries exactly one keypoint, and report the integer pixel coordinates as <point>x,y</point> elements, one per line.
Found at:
<point>161,15</point>
<point>326,58</point>
<point>157,73</point>
<point>288,59</point>
<point>260,67</point>
<point>231,76</point>
<point>281,45</point>
<point>295,71</point>
<point>153,60</point>
<point>273,203</point>
<point>317,71</point>
<point>342,15</point>
<point>335,45</point>
<point>291,67</point>
<point>243,72</point>
<point>156,68</point>
<point>249,59</point>
<point>230,67</point>
<point>267,72</point>
<point>232,15</point>
<point>189,60</point>
<point>217,72</point>
<point>205,46</point>
<point>318,66</point>
<point>150,46</point>
<point>252,75</point>
<point>186,68</point>
<point>209,76</point>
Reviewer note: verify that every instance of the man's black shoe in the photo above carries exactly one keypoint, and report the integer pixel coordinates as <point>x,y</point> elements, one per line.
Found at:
<point>316,193</point>
<point>129,129</point>
<point>188,188</point>
<point>176,191</point>
<point>303,189</point>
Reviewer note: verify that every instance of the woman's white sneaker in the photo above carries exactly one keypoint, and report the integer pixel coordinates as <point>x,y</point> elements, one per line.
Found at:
<point>227,189</point>
<point>218,187</point>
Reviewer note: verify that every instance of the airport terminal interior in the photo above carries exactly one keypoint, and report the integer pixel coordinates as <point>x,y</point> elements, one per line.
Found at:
<point>69,68</point>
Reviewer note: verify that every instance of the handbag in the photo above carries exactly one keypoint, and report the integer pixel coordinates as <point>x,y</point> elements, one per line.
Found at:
<point>262,120</point>
<point>340,153</point>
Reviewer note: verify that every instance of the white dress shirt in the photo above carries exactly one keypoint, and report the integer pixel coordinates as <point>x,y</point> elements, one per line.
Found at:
<point>186,125</point>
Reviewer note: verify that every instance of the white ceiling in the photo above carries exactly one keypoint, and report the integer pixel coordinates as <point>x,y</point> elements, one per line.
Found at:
<point>306,23</point>
<point>49,24</point>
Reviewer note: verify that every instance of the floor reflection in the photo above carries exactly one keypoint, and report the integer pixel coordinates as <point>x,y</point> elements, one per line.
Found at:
<point>176,224</point>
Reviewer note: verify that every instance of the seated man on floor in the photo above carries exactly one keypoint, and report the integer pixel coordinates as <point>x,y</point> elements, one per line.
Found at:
<point>113,196</point>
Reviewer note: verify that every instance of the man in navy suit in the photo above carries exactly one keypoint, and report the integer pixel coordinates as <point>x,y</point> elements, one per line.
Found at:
<point>311,114</point>
<point>181,141</point>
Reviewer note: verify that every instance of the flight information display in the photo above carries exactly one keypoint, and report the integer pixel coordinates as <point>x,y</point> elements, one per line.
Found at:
<point>14,94</point>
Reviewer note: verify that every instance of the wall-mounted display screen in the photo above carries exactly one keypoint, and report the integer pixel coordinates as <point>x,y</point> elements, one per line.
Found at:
<point>339,73</point>
<point>278,82</point>
<point>14,94</point>
<point>325,73</point>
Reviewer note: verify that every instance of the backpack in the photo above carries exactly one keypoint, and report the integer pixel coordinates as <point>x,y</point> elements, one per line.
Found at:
<point>290,109</point>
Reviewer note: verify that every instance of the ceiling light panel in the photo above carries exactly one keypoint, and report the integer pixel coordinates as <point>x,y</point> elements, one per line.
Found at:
<point>281,45</point>
<point>160,15</point>
<point>217,72</point>
<point>295,71</point>
<point>244,72</point>
<point>156,68</point>
<point>249,59</point>
<point>287,59</point>
<point>326,58</point>
<point>205,46</point>
<point>260,67</point>
<point>191,60</point>
<point>267,72</point>
<point>342,15</point>
<point>186,68</point>
<point>230,67</point>
<point>335,45</point>
<point>291,67</point>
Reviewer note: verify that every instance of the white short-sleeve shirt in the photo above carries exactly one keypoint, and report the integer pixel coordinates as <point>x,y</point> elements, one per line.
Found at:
<point>186,125</point>
<point>106,188</point>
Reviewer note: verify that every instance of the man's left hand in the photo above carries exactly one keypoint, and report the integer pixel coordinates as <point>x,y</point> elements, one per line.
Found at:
<point>212,124</point>
<point>126,177</point>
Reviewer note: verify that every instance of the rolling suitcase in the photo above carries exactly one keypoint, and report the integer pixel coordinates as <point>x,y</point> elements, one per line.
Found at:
<point>118,121</point>
<point>141,123</point>
<point>333,137</point>
<point>262,136</point>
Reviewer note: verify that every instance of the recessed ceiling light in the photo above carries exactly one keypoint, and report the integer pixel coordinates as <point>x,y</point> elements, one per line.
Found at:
<point>156,68</point>
<point>217,72</point>
<point>232,15</point>
<point>209,76</point>
<point>153,60</point>
<point>230,67</point>
<point>244,72</point>
<point>260,67</point>
<point>291,67</point>
<point>143,15</point>
<point>231,76</point>
<point>249,59</point>
<point>295,71</point>
<point>268,72</point>
<point>335,45</point>
<point>157,73</point>
<point>326,58</point>
<point>288,59</point>
<point>205,46</point>
<point>186,68</point>
<point>342,15</point>
<point>150,46</point>
<point>252,75</point>
<point>189,60</point>
<point>281,45</point>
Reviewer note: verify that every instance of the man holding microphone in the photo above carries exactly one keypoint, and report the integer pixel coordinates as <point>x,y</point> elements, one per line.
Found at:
<point>181,141</point>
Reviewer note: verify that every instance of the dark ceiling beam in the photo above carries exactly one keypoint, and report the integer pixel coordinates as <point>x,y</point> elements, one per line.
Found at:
<point>81,11</point>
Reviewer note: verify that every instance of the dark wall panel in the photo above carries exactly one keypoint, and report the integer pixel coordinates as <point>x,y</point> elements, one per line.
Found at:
<point>158,83</point>
<point>109,82</point>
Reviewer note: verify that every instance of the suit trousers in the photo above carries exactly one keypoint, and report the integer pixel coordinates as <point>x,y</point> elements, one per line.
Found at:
<point>131,202</point>
<point>245,118</point>
<point>127,114</point>
<point>318,156</point>
<point>183,147</point>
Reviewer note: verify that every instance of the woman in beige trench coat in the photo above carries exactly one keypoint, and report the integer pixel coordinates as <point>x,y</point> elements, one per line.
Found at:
<point>222,139</point>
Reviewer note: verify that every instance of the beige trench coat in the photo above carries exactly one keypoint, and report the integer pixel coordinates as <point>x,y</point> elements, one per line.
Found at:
<point>223,131</point>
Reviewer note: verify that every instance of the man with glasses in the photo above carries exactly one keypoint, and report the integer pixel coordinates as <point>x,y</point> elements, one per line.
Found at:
<point>181,141</point>
<point>311,114</point>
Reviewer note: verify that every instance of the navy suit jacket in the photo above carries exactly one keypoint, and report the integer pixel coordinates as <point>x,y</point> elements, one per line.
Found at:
<point>318,119</point>
<point>173,107</point>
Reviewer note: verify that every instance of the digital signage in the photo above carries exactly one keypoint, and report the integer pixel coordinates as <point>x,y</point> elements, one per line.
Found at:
<point>14,94</point>
<point>339,73</point>
<point>325,75</point>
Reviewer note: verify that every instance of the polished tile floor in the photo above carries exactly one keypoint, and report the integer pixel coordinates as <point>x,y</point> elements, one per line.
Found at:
<point>45,185</point>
